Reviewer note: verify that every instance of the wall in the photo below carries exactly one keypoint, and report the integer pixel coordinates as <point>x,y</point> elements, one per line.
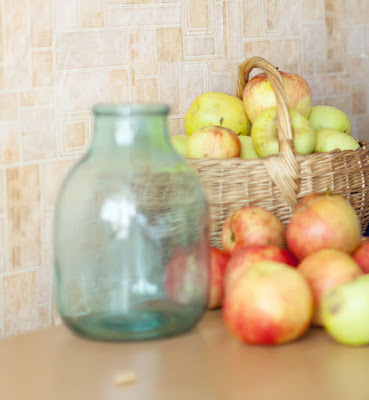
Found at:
<point>59,57</point>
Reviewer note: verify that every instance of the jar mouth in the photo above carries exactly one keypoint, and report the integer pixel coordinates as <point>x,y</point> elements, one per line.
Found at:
<point>130,109</point>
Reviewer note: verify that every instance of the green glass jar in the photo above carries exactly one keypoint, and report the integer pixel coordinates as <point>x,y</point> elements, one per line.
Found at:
<point>131,232</point>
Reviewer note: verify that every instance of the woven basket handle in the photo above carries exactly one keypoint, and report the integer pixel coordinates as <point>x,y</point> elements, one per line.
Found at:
<point>283,169</point>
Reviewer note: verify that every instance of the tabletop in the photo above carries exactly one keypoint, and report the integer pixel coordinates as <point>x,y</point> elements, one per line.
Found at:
<point>205,363</point>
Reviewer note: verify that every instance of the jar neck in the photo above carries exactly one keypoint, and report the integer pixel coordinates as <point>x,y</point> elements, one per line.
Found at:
<point>122,127</point>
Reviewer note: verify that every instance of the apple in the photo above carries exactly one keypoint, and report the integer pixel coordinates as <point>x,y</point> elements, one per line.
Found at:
<point>345,312</point>
<point>218,263</point>
<point>329,117</point>
<point>179,142</point>
<point>258,95</point>
<point>186,278</point>
<point>247,148</point>
<point>245,257</point>
<point>361,254</point>
<point>321,222</point>
<point>213,142</point>
<point>214,108</point>
<point>264,133</point>
<point>324,270</point>
<point>252,225</point>
<point>270,303</point>
<point>331,139</point>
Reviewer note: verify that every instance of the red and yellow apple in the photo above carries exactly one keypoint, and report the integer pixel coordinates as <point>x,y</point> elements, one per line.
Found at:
<point>245,257</point>
<point>213,142</point>
<point>218,263</point>
<point>258,94</point>
<point>252,225</point>
<point>270,303</point>
<point>361,254</point>
<point>186,278</point>
<point>322,222</point>
<point>324,270</point>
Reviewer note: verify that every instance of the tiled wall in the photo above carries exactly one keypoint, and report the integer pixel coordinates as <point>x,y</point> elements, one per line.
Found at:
<point>58,57</point>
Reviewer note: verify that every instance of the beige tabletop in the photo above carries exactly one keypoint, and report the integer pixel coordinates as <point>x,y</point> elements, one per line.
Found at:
<point>206,363</point>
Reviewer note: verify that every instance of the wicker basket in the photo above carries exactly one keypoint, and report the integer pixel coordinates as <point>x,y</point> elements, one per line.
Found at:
<point>278,182</point>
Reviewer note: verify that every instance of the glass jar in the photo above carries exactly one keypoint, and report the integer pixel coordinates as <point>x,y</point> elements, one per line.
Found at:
<point>131,234</point>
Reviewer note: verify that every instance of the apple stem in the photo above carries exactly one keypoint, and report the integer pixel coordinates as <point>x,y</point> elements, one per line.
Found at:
<point>221,121</point>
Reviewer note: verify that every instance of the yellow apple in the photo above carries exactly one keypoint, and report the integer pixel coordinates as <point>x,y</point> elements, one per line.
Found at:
<point>213,142</point>
<point>329,117</point>
<point>179,142</point>
<point>258,95</point>
<point>247,148</point>
<point>331,139</point>
<point>214,108</point>
<point>264,133</point>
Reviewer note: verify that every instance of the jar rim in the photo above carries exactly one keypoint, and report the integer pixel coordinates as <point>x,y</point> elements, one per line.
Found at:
<point>130,109</point>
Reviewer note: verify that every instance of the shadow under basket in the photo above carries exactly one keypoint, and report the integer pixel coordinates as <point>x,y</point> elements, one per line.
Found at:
<point>278,182</point>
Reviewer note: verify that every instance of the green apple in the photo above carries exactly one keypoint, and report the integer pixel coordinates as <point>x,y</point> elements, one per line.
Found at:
<point>345,312</point>
<point>213,142</point>
<point>179,142</point>
<point>214,108</point>
<point>264,133</point>
<point>247,148</point>
<point>329,117</point>
<point>331,139</point>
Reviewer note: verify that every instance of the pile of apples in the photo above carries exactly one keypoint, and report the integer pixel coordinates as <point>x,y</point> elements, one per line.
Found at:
<point>275,281</point>
<point>222,126</point>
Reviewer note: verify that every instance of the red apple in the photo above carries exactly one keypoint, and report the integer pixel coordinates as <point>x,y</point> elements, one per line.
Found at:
<point>258,95</point>
<point>252,226</point>
<point>246,257</point>
<point>361,254</point>
<point>325,270</point>
<point>270,303</point>
<point>321,222</point>
<point>213,142</point>
<point>186,277</point>
<point>218,263</point>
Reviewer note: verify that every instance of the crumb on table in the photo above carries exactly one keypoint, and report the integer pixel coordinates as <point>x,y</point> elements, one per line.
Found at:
<point>125,378</point>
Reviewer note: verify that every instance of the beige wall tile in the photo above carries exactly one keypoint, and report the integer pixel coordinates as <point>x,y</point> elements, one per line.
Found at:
<point>357,12</point>
<point>143,52</point>
<point>92,13</point>
<point>79,91</point>
<point>119,86</point>
<point>272,16</point>
<point>41,24</point>
<point>359,98</point>
<point>20,299</point>
<point>169,44</point>
<point>2,191</point>
<point>23,188</point>
<point>43,285</point>
<point>220,83</point>
<point>196,47</point>
<point>359,64</point>
<point>261,48</point>
<point>38,97</point>
<point>362,127</point>
<point>344,103</point>
<point>55,317</point>
<point>42,68</point>
<point>194,81</point>
<point>219,38</point>
<point>142,17</point>
<point>127,2</point>
<point>66,14</point>
<point>286,52</point>
<point>38,133</point>
<point>335,28</point>
<point>312,10</point>
<point>234,33</point>
<point>251,20</point>
<point>330,66</point>
<point>2,246</point>
<point>2,76</point>
<point>53,174</point>
<point>1,37</point>
<point>75,50</point>
<point>48,256</point>
<point>313,42</point>
<point>176,126</point>
<point>291,24</point>
<point>356,39</point>
<point>16,34</point>
<point>47,230</point>
<point>146,90</point>
<point>198,14</point>
<point>9,143</point>
<point>169,85</point>
<point>8,106</point>
<point>75,132</point>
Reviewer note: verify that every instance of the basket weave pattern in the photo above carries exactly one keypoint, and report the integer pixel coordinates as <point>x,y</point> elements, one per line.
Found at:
<point>278,182</point>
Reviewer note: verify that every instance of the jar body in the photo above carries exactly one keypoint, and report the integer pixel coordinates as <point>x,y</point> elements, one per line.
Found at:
<point>131,237</point>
